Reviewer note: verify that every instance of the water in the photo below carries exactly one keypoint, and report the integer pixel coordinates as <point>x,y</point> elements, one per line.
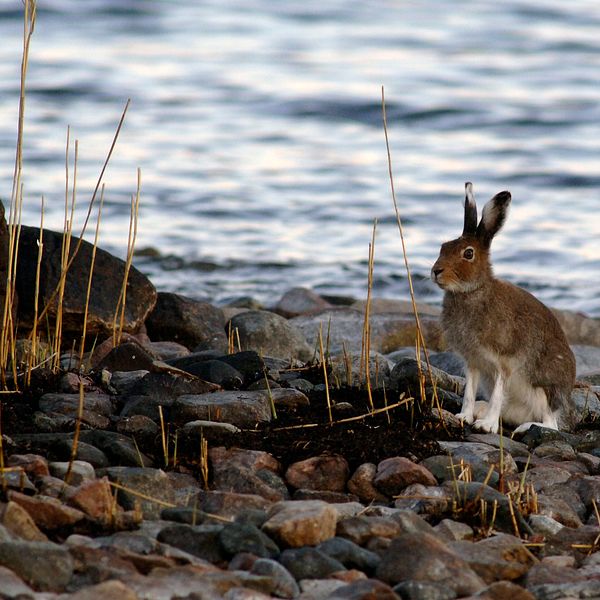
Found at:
<point>257,127</point>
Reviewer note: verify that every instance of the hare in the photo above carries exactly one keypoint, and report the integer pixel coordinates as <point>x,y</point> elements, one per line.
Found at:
<point>512,344</point>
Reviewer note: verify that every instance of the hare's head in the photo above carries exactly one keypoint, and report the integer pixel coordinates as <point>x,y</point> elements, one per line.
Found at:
<point>464,264</point>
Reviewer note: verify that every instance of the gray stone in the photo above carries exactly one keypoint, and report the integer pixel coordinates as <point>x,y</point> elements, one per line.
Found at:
<point>422,557</point>
<point>299,301</point>
<point>364,589</point>
<point>270,334</point>
<point>120,449</point>
<point>242,409</point>
<point>586,402</point>
<point>190,322</point>
<point>345,326</point>
<point>587,358</point>
<point>309,563</point>
<point>422,590</point>
<point>200,540</point>
<point>285,585</point>
<point>351,555</point>
<point>350,370</point>
<point>43,565</point>
<point>139,485</point>
<point>449,362</point>
<point>423,500</point>
<point>12,586</point>
<point>407,372</point>
<point>243,537</point>
<point>477,455</point>
<point>80,471</point>
<point>544,525</point>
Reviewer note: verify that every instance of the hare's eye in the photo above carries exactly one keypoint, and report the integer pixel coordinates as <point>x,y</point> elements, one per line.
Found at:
<point>468,253</point>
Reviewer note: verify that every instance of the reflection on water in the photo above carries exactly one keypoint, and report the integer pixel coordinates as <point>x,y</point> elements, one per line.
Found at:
<point>257,126</point>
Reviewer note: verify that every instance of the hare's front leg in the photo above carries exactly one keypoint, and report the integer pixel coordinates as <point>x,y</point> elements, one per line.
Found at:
<point>468,405</point>
<point>490,422</point>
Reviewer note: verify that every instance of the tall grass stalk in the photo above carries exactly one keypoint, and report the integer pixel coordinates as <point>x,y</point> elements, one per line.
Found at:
<point>133,223</point>
<point>365,359</point>
<point>90,277</point>
<point>91,203</point>
<point>32,358</point>
<point>7,338</point>
<point>420,337</point>
<point>324,365</point>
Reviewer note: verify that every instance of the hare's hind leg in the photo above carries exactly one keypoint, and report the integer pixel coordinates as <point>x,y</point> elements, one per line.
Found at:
<point>468,404</point>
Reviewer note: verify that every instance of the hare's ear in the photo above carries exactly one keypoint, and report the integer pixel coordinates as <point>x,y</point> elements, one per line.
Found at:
<point>493,217</point>
<point>470,226</point>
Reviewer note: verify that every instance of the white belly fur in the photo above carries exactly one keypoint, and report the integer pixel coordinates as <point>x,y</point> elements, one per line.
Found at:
<point>522,402</point>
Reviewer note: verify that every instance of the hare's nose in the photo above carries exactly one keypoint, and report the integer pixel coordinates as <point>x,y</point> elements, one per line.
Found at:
<point>437,271</point>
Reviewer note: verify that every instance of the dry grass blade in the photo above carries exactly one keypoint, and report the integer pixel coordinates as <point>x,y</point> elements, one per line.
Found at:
<point>365,359</point>
<point>372,413</point>
<point>420,337</point>
<point>89,212</point>
<point>324,365</point>
<point>133,222</point>
<point>90,277</point>
<point>75,434</point>
<point>7,337</point>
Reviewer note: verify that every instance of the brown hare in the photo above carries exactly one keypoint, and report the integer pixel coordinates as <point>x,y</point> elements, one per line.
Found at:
<point>513,346</point>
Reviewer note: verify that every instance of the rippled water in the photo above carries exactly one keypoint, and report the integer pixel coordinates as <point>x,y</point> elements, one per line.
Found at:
<point>257,126</point>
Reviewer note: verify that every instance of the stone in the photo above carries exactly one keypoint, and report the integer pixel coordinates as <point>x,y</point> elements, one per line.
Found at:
<point>129,355</point>
<point>558,510</point>
<point>80,471</point>
<point>298,301</point>
<point>220,373</point>
<point>43,565</point>
<point>422,557</point>
<point>500,590</point>
<point>200,540</point>
<point>285,585</point>
<point>350,370</point>
<point>579,328</point>
<point>119,449</point>
<point>319,589</point>
<point>94,498</point>
<point>270,335</point>
<point>107,590</point>
<point>242,409</point>
<point>326,496</point>
<point>362,528</point>
<point>424,500</point>
<point>243,480</point>
<point>470,495</point>
<point>139,427</point>
<point>167,350</point>
<point>291,397</point>
<point>19,522</point>
<point>11,585</point>
<point>167,386</point>
<point>309,563</point>
<point>351,555</point>
<point>243,537</point>
<point>228,504</point>
<point>421,590</point>
<point>361,484</point>
<point>301,523</point>
<point>326,472</point>
<point>407,372</point>
<point>33,465</point>
<point>451,531</point>
<point>501,557</point>
<point>345,326</point>
<point>108,275</point>
<point>364,590</point>
<point>189,322</point>
<point>396,473</point>
<point>544,525</point>
<point>145,488</point>
<point>480,457</point>
<point>48,513</point>
<point>449,362</point>
<point>496,440</point>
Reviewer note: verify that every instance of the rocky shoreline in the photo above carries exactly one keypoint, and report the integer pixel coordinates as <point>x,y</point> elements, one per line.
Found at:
<point>213,461</point>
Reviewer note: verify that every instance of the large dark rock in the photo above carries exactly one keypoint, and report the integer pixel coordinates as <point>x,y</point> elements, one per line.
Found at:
<point>196,325</point>
<point>109,272</point>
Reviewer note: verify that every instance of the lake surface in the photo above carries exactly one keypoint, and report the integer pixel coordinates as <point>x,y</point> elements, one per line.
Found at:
<point>258,130</point>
